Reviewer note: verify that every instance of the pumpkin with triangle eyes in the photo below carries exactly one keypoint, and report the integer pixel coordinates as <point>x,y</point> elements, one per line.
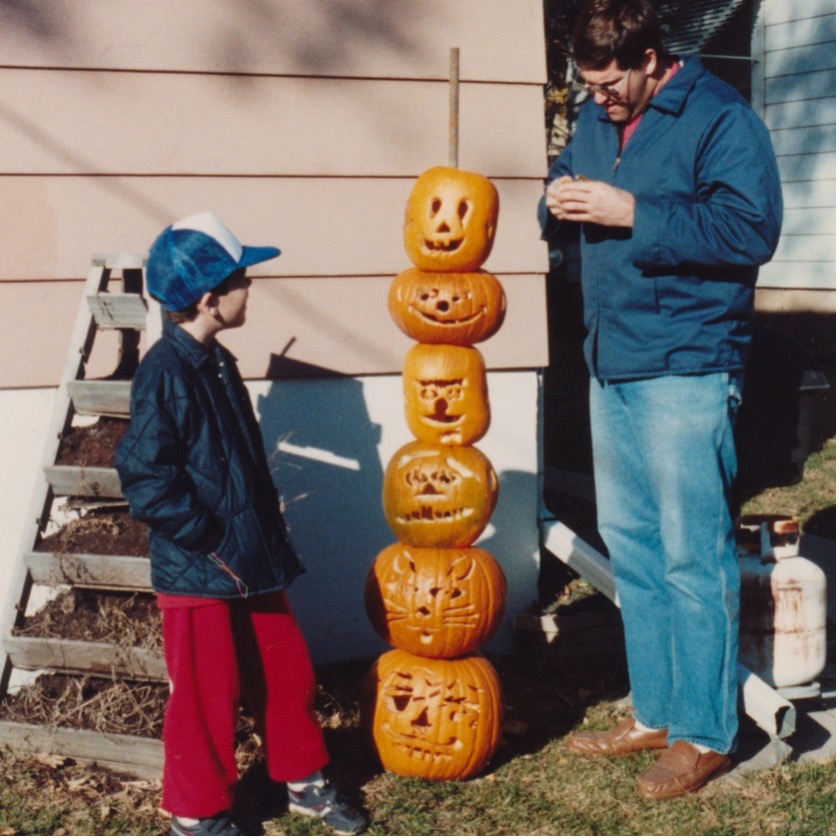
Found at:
<point>450,220</point>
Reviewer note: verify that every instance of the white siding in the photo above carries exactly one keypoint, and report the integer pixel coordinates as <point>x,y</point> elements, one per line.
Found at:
<point>796,50</point>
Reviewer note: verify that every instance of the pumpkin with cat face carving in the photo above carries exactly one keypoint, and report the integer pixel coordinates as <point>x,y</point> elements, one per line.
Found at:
<point>436,602</point>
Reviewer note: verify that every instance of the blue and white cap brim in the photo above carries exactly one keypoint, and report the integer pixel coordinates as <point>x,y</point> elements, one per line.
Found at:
<point>195,255</point>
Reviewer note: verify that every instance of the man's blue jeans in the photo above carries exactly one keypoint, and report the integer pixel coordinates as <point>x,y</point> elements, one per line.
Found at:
<point>664,464</point>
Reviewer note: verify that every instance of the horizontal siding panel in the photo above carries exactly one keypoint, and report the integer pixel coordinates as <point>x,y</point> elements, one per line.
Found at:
<point>810,167</point>
<point>359,38</point>
<point>800,33</point>
<point>783,275</point>
<point>811,248</point>
<point>27,359</point>
<point>799,113</point>
<point>77,122</point>
<point>799,60</point>
<point>784,11</point>
<point>801,86</point>
<point>341,326</point>
<point>808,140</point>
<point>809,221</point>
<point>809,194</point>
<point>333,227</point>
<point>296,327</point>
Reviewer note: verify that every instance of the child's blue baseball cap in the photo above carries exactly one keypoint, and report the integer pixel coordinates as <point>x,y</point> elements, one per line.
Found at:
<point>195,255</point>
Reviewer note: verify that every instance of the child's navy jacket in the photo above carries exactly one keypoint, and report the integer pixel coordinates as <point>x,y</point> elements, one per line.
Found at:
<point>193,468</point>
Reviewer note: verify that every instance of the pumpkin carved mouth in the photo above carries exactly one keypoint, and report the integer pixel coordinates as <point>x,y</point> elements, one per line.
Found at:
<point>447,322</point>
<point>441,246</point>
<point>417,746</point>
<point>426,513</point>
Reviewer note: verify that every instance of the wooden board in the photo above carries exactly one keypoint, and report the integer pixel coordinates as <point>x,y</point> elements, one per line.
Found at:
<point>142,757</point>
<point>118,311</point>
<point>97,398</point>
<point>89,571</point>
<point>70,656</point>
<point>98,482</point>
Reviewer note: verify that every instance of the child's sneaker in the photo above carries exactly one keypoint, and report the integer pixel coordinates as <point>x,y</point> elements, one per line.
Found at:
<point>325,803</point>
<point>219,826</point>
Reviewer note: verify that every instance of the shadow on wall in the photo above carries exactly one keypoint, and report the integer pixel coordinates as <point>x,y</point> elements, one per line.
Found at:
<point>322,449</point>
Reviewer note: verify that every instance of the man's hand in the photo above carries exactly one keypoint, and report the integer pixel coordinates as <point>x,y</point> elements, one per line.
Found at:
<point>590,201</point>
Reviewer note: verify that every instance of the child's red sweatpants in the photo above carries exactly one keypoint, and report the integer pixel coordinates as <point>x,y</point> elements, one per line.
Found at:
<point>217,650</point>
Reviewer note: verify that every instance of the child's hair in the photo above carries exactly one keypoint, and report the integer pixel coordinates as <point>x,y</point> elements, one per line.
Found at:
<point>620,30</point>
<point>189,313</point>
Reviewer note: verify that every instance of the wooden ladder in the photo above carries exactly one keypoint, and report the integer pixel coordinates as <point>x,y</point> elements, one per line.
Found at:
<point>127,311</point>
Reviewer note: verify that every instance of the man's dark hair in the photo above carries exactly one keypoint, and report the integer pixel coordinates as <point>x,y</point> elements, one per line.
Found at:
<point>616,29</point>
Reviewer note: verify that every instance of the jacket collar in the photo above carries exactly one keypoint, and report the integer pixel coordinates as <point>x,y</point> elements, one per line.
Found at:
<point>673,95</point>
<point>671,98</point>
<point>185,345</point>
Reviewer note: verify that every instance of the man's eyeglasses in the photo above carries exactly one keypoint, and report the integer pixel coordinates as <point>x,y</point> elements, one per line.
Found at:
<point>609,91</point>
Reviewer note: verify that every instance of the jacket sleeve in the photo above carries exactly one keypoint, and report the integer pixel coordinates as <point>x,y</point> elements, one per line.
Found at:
<point>549,225</point>
<point>150,460</point>
<point>735,215</point>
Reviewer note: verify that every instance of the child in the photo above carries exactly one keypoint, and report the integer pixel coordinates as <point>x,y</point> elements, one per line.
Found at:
<point>193,468</point>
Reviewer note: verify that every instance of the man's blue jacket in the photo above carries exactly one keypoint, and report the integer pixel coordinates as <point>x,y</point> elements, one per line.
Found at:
<point>674,295</point>
<point>193,468</point>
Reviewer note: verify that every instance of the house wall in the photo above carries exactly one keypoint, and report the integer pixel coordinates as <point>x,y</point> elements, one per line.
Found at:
<point>302,124</point>
<point>794,89</point>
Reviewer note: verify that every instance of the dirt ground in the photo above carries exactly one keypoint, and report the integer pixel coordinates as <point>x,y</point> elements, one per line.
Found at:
<point>93,445</point>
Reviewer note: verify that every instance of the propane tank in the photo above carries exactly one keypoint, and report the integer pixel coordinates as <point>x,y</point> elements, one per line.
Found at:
<point>783,603</point>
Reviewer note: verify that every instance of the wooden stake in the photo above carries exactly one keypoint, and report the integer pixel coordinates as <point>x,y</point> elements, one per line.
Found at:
<point>454,78</point>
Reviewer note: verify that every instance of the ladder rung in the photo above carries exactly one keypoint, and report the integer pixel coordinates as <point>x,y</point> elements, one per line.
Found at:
<point>82,657</point>
<point>118,310</point>
<point>100,397</point>
<point>70,480</point>
<point>131,754</point>
<point>120,259</point>
<point>90,571</point>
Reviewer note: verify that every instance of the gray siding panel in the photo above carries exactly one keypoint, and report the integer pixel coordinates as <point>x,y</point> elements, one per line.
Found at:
<point>798,57</point>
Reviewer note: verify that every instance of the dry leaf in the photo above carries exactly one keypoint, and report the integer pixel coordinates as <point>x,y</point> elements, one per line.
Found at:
<point>48,760</point>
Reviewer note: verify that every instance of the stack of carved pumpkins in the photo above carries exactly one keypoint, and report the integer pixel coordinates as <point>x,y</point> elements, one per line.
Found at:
<point>433,705</point>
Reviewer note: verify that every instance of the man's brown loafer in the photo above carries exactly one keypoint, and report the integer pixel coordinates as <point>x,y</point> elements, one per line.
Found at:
<point>681,769</point>
<point>622,739</point>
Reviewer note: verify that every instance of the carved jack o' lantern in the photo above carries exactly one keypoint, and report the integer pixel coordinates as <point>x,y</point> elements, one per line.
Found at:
<point>450,220</point>
<point>447,307</point>
<point>438,496</point>
<point>445,390</point>
<point>433,718</point>
<point>437,602</point>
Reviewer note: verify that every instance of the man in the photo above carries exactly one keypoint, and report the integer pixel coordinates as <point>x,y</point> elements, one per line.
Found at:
<point>674,184</point>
